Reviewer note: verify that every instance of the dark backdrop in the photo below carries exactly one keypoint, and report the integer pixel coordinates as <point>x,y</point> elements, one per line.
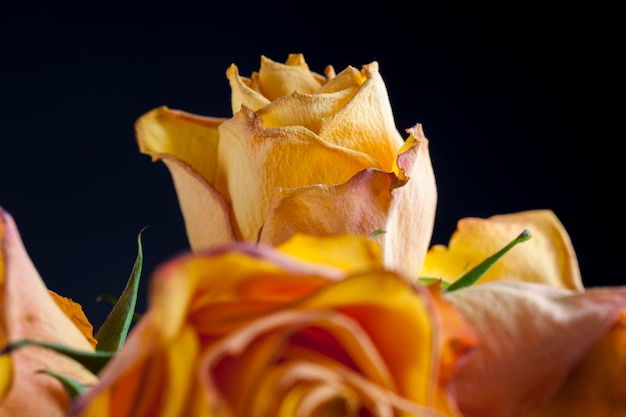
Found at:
<point>505,97</point>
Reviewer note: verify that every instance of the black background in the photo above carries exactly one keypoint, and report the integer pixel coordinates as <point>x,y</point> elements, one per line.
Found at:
<point>509,98</point>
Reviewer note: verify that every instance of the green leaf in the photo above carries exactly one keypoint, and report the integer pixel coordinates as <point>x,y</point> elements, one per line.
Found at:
<point>427,281</point>
<point>112,334</point>
<point>479,270</point>
<point>376,233</point>
<point>93,361</point>
<point>73,387</point>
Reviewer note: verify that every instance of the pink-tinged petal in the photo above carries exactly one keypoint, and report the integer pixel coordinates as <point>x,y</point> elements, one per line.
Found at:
<point>548,257</point>
<point>531,338</point>
<point>411,218</point>
<point>403,208</point>
<point>359,206</point>
<point>28,311</point>
<point>254,162</point>
<point>187,144</point>
<point>597,384</point>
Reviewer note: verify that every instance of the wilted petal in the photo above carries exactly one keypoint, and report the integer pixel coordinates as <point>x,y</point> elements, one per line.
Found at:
<point>188,144</point>
<point>366,123</point>
<point>266,159</point>
<point>28,311</point>
<point>370,201</point>
<point>409,228</point>
<point>321,209</point>
<point>531,338</point>
<point>548,257</point>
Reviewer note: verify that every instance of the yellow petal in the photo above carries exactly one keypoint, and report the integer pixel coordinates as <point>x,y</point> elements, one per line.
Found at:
<point>548,257</point>
<point>348,252</point>
<point>242,93</point>
<point>255,161</point>
<point>531,338</point>
<point>188,146</point>
<point>28,311</point>
<point>189,138</point>
<point>366,123</point>
<point>278,80</point>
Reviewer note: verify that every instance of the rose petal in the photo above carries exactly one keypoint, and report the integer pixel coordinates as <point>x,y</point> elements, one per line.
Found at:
<point>187,144</point>
<point>597,384</point>
<point>531,336</point>
<point>255,161</point>
<point>344,251</point>
<point>548,257</point>
<point>360,206</point>
<point>28,311</point>
<point>411,218</point>
<point>366,123</point>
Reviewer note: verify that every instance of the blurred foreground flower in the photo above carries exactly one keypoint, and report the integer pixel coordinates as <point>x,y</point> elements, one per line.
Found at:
<point>251,331</point>
<point>28,310</point>
<point>302,153</point>
<point>547,347</point>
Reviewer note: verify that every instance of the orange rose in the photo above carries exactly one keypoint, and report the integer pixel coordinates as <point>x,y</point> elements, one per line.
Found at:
<point>254,331</point>
<point>28,310</point>
<point>303,152</point>
<point>548,347</point>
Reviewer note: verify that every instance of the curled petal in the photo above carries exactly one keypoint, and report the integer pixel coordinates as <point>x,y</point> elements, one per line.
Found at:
<point>411,218</point>
<point>531,338</point>
<point>255,161</point>
<point>374,201</point>
<point>29,311</point>
<point>321,209</point>
<point>366,123</point>
<point>548,257</point>
<point>188,144</point>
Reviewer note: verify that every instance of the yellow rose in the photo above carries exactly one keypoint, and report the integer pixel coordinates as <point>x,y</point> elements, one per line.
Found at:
<point>248,331</point>
<point>303,152</point>
<point>548,347</point>
<point>28,310</point>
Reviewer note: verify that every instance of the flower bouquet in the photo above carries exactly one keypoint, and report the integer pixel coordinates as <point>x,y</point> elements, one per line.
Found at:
<point>311,287</point>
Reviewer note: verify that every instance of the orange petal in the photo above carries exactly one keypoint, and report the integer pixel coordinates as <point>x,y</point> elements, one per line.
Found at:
<point>188,146</point>
<point>29,312</point>
<point>531,337</point>
<point>548,257</point>
<point>75,312</point>
<point>255,162</point>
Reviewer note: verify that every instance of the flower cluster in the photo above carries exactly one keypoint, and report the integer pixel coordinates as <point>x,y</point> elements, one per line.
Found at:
<point>311,287</point>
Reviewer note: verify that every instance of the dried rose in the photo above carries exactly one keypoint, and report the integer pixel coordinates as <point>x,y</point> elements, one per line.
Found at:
<point>303,152</point>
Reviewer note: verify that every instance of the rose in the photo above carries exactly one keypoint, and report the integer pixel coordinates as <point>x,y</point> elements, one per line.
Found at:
<point>248,330</point>
<point>28,310</point>
<point>548,346</point>
<point>302,153</point>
